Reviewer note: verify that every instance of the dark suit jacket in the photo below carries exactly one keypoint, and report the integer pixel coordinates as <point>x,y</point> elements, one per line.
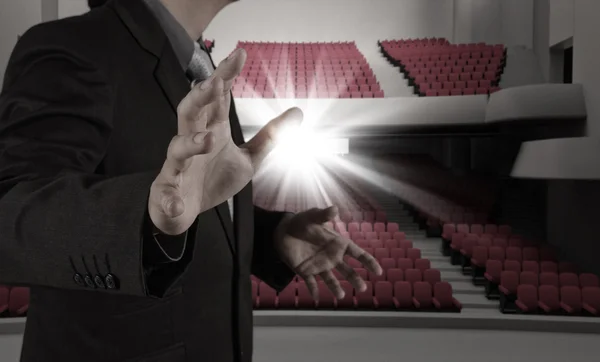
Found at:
<point>87,111</point>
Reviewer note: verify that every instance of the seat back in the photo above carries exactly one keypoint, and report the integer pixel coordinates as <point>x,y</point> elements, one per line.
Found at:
<point>422,264</point>
<point>365,298</point>
<point>571,296</point>
<point>384,292</point>
<point>432,276</point>
<point>514,253</point>
<point>588,280</point>
<point>442,292</point>
<point>528,295</point>
<point>512,265</point>
<point>530,266</point>
<point>266,295</point>
<point>422,292</point>
<point>493,268</point>
<point>549,295</point>
<point>403,292</point>
<point>326,297</point>
<point>528,278</point>
<point>568,279</point>
<point>591,297</point>
<point>413,275</point>
<point>395,275</point>
<point>405,263</point>
<point>549,279</point>
<point>509,280</point>
<point>548,267</point>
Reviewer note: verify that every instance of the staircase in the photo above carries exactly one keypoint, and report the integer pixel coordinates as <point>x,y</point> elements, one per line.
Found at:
<point>472,297</point>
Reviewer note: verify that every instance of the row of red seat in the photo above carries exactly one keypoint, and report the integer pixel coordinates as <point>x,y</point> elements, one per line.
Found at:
<point>548,299</point>
<point>440,60</point>
<point>382,295</point>
<point>306,71</point>
<point>14,302</point>
<point>510,279</point>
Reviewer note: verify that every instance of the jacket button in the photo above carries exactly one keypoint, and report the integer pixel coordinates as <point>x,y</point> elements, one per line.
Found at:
<point>89,282</point>
<point>99,282</point>
<point>78,279</point>
<point>111,281</point>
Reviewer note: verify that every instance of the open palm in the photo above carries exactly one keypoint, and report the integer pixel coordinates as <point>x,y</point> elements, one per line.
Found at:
<point>311,250</point>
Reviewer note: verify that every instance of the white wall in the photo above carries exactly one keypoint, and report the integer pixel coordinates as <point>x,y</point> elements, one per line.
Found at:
<point>331,20</point>
<point>463,21</point>
<point>16,16</point>
<point>68,8</point>
<point>541,35</point>
<point>586,53</point>
<point>561,20</point>
<point>517,23</point>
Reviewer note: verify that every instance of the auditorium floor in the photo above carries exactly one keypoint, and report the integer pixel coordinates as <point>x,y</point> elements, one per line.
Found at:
<point>300,344</point>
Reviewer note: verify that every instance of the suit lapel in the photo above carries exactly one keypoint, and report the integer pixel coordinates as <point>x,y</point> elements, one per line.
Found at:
<point>168,73</point>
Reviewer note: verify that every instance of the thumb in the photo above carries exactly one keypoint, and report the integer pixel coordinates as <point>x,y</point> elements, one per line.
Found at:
<point>265,140</point>
<point>320,216</point>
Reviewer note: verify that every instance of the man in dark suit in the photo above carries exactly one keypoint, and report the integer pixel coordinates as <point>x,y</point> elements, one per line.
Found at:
<point>131,255</point>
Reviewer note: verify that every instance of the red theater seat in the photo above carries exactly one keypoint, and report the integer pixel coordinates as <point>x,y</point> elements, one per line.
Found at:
<point>443,299</point>
<point>4,293</point>
<point>397,253</point>
<point>570,299</point>
<point>413,275</point>
<point>422,264</point>
<point>286,299</point>
<point>529,278</point>
<point>591,300</point>
<point>549,279</point>
<point>527,298</point>
<point>422,295</point>
<point>305,299</point>
<point>18,301</point>
<point>365,300</point>
<point>326,298</point>
<point>588,280</point>
<point>432,276</point>
<point>267,297</point>
<point>395,275</point>
<point>568,279</point>
<point>384,295</point>
<point>549,300</point>
<point>548,267</point>
<point>403,295</point>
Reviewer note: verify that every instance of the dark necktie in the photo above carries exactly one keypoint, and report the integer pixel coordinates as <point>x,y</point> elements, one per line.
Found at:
<point>200,69</point>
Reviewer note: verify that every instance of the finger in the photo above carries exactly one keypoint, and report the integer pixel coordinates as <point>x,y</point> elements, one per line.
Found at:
<point>366,259</point>
<point>266,139</point>
<point>193,111</point>
<point>183,148</point>
<point>313,287</point>
<point>320,216</point>
<point>333,284</point>
<point>230,68</point>
<point>352,276</point>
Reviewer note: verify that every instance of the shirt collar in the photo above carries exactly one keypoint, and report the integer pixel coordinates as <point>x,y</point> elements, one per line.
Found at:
<point>182,43</point>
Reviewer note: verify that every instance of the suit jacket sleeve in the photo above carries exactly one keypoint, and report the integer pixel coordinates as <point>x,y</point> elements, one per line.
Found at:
<point>58,218</point>
<point>266,264</point>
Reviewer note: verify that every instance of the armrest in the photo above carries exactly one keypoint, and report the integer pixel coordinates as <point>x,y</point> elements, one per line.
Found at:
<point>488,276</point>
<point>416,303</point>
<point>375,303</point>
<point>3,308</point>
<point>396,303</point>
<point>503,289</point>
<point>475,262</point>
<point>23,309</point>
<point>436,303</point>
<point>521,306</point>
<point>590,309</point>
<point>566,307</point>
<point>543,306</point>
<point>456,303</point>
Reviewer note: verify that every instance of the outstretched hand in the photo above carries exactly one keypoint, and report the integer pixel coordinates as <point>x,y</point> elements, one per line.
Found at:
<point>311,250</point>
<point>204,167</point>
